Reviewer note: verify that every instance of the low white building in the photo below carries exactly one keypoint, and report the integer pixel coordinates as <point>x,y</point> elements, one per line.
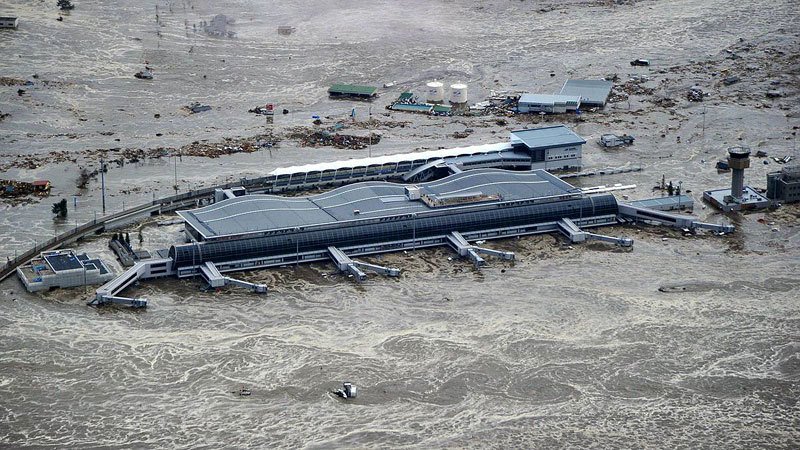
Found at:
<point>550,148</point>
<point>552,104</point>
<point>9,22</point>
<point>63,268</point>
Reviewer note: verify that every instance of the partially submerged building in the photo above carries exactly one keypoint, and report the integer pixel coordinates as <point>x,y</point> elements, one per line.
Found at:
<point>352,91</point>
<point>738,196</point>
<point>551,148</point>
<point>61,269</point>
<point>545,103</point>
<point>784,185</point>
<point>593,93</point>
<point>9,22</point>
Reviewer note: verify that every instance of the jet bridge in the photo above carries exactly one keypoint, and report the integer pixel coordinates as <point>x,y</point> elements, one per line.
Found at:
<point>215,279</point>
<point>638,213</point>
<point>107,293</point>
<point>353,267</point>
<point>464,248</point>
<point>572,231</point>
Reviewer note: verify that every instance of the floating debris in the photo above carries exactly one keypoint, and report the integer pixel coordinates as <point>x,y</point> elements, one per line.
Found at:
<point>145,74</point>
<point>730,80</point>
<point>696,94</point>
<point>219,26</point>
<point>774,94</point>
<point>285,30</point>
<point>612,140</point>
<point>196,107</point>
<point>347,391</point>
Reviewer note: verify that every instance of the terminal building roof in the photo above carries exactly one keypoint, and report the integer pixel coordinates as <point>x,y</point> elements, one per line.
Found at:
<point>255,214</point>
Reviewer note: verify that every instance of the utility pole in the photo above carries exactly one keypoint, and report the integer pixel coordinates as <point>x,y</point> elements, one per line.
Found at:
<point>176,175</point>
<point>704,128</point>
<point>103,182</point>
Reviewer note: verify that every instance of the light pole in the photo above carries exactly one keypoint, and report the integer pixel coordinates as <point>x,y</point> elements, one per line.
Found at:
<point>103,183</point>
<point>176,175</point>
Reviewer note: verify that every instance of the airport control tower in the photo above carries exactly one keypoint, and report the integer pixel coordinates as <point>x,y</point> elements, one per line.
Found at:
<point>738,160</point>
<point>739,196</point>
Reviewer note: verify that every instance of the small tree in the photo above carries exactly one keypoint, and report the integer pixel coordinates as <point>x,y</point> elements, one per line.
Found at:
<point>65,5</point>
<point>60,208</point>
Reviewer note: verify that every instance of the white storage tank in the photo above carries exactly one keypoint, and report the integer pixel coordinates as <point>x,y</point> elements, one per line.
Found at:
<point>435,92</point>
<point>458,93</point>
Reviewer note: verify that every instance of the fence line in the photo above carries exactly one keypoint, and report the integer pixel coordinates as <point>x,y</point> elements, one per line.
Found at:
<point>80,231</point>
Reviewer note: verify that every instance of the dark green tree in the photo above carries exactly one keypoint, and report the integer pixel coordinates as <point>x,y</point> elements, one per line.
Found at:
<point>60,208</point>
<point>65,5</point>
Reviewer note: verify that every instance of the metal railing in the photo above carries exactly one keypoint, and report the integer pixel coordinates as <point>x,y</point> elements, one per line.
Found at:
<point>80,231</point>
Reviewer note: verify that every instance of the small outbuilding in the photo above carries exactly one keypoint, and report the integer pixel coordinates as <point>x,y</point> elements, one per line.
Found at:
<point>529,103</point>
<point>9,22</point>
<point>593,93</point>
<point>42,186</point>
<point>784,185</point>
<point>352,91</point>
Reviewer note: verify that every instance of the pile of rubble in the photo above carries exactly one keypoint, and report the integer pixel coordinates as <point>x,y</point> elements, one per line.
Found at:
<point>14,188</point>
<point>322,138</point>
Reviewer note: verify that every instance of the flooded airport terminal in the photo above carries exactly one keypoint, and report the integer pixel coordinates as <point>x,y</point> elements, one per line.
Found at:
<point>419,224</point>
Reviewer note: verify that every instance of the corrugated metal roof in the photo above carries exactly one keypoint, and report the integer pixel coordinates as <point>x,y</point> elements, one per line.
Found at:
<point>260,213</point>
<point>547,137</point>
<point>595,92</point>
<point>352,89</point>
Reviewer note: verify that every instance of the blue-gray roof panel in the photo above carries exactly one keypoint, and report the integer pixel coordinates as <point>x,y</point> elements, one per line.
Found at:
<point>259,213</point>
<point>592,92</point>
<point>547,137</point>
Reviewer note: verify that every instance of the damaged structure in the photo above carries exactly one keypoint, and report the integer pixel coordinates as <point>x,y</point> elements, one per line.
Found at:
<point>9,22</point>
<point>352,91</point>
<point>62,269</point>
<point>545,103</point>
<point>784,185</point>
<point>593,93</point>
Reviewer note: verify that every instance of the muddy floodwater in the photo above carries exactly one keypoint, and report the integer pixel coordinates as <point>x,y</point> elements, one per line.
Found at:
<point>683,341</point>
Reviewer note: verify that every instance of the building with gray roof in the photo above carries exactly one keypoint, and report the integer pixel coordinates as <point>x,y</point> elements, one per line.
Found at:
<point>372,217</point>
<point>593,93</point>
<point>63,268</point>
<point>551,148</point>
<point>784,185</point>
